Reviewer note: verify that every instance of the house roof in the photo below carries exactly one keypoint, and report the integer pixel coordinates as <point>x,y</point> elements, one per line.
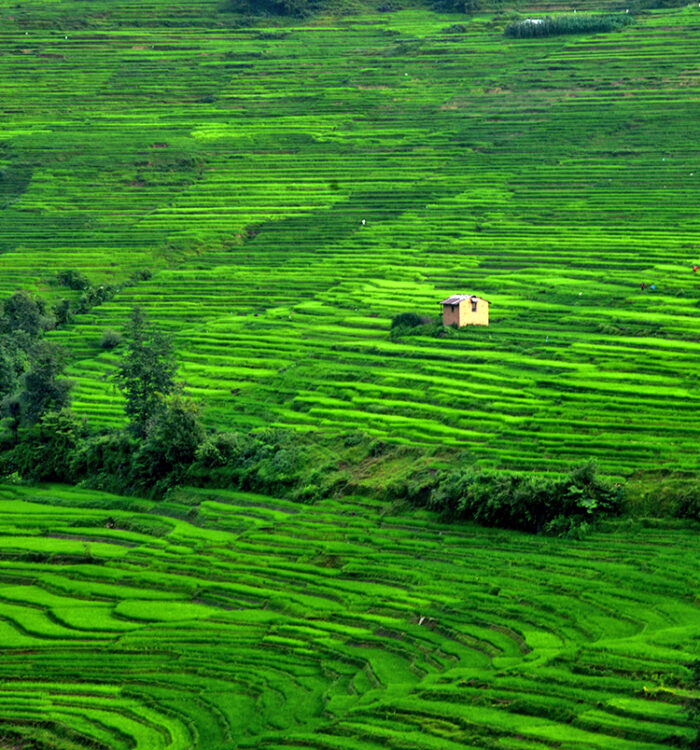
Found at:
<point>455,299</point>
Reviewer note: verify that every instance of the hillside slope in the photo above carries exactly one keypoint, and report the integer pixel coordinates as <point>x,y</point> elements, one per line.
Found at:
<point>552,176</point>
<point>259,623</point>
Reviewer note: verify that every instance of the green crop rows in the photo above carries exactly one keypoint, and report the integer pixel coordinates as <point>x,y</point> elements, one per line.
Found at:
<point>265,624</point>
<point>551,176</point>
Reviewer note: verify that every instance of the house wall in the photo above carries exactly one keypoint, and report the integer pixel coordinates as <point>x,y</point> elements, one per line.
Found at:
<point>450,316</point>
<point>478,318</point>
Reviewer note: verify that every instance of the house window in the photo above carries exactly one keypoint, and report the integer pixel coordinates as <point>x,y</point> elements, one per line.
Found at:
<point>453,307</point>
<point>473,305</point>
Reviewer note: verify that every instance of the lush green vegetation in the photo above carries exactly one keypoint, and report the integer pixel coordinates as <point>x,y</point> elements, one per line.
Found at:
<point>573,24</point>
<point>165,443</point>
<point>217,174</point>
<point>225,619</point>
<point>272,191</point>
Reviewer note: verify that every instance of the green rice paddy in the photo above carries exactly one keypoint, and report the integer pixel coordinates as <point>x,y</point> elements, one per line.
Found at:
<point>551,176</point>
<point>224,620</point>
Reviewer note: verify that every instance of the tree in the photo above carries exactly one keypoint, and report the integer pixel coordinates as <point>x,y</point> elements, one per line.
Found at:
<point>298,8</point>
<point>44,451</point>
<point>146,374</point>
<point>42,389</point>
<point>21,312</point>
<point>457,6</point>
<point>13,362</point>
<point>170,444</point>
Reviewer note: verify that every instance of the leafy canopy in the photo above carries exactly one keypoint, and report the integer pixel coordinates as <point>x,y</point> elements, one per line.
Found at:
<point>146,374</point>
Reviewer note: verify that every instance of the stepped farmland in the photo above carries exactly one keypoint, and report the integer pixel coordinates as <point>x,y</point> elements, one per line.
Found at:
<point>272,193</point>
<point>222,619</point>
<point>551,176</point>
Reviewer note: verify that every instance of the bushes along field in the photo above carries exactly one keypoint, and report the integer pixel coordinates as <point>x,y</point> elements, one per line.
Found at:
<point>166,444</point>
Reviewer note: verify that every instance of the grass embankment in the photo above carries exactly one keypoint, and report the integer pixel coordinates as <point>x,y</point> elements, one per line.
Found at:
<point>552,176</point>
<point>224,619</point>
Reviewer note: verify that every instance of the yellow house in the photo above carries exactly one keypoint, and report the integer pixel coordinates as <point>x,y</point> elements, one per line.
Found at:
<point>465,310</point>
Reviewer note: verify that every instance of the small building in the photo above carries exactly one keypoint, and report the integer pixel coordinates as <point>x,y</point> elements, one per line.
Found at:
<point>465,310</point>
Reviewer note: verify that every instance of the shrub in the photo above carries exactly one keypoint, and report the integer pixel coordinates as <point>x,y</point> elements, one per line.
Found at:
<point>456,28</point>
<point>44,451</point>
<point>457,6</point>
<point>104,462</point>
<point>412,324</point>
<point>171,441</point>
<point>527,502</point>
<point>143,274</point>
<point>406,320</point>
<point>72,279</point>
<point>43,390</point>
<point>62,311</point>
<point>298,8</point>
<point>146,373</point>
<point>25,314</point>
<point>94,296</point>
<point>110,339</point>
<point>672,496</point>
<point>267,461</point>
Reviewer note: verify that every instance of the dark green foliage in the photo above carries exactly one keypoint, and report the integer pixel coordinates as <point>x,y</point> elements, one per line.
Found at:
<point>456,28</point>
<point>171,441</point>
<point>407,320</point>
<point>72,279</point>
<point>579,23</point>
<point>30,368</point>
<point>298,8</point>
<point>642,5</point>
<point>675,497</point>
<point>8,374</point>
<point>269,460</point>
<point>306,8</point>
<point>105,461</point>
<point>146,374</point>
<point>62,312</point>
<point>693,703</point>
<point>412,324</point>
<point>23,313</point>
<point>527,502</point>
<point>44,450</point>
<point>687,502</point>
<point>14,361</point>
<point>416,488</point>
<point>143,274</point>
<point>457,6</point>
<point>110,339</point>
<point>94,296</point>
<point>13,182</point>
<point>42,388</point>
<point>224,448</point>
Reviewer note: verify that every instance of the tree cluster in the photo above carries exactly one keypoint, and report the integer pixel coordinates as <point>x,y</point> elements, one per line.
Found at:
<point>44,441</point>
<point>579,23</point>
<point>30,367</point>
<point>529,502</point>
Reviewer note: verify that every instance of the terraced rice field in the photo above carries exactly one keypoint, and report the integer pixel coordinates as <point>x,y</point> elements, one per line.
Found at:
<point>551,176</point>
<point>223,620</point>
